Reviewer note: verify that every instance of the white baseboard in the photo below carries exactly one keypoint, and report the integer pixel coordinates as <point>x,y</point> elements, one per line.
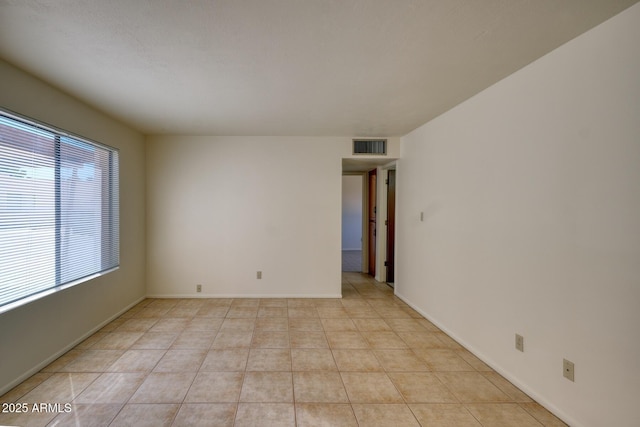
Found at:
<point>508,375</point>
<point>5,388</point>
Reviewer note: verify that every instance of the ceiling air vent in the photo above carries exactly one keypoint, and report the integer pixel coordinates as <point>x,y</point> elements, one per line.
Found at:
<point>370,146</point>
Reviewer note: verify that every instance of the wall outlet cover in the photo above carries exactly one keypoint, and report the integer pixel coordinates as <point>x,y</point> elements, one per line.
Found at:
<point>519,342</point>
<point>568,370</point>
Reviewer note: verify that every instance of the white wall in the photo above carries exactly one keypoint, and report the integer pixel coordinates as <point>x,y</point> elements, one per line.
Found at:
<point>222,208</point>
<point>36,333</point>
<point>219,209</point>
<point>352,212</point>
<point>531,195</point>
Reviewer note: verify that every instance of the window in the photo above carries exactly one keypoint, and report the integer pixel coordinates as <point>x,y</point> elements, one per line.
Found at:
<point>58,210</point>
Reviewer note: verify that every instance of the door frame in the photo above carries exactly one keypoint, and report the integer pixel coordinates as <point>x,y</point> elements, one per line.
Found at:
<point>381,232</point>
<point>381,214</point>
<point>372,220</point>
<point>390,223</point>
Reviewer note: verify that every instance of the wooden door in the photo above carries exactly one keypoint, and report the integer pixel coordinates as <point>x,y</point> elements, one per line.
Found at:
<point>372,221</point>
<point>391,225</point>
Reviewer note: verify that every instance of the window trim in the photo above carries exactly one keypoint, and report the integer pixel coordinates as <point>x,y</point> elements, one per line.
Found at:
<point>50,291</point>
<point>50,128</point>
<point>58,135</point>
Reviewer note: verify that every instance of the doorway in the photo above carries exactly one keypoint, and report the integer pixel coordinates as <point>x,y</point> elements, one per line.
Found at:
<point>378,209</point>
<point>372,210</point>
<point>391,226</point>
<point>352,223</point>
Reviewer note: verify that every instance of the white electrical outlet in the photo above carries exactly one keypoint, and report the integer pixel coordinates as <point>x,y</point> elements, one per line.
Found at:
<point>519,342</point>
<point>568,370</point>
<point>198,288</point>
<point>259,275</point>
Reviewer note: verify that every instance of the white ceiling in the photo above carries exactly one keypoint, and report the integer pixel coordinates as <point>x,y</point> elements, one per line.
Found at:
<point>284,67</point>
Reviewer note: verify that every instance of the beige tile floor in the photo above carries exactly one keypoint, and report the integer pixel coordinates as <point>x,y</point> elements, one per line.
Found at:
<point>365,360</point>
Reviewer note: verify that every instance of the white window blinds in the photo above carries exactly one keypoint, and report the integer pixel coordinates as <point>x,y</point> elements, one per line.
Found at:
<point>58,210</point>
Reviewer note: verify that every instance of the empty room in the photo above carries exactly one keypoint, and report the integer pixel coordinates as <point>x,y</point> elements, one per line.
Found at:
<point>182,184</point>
